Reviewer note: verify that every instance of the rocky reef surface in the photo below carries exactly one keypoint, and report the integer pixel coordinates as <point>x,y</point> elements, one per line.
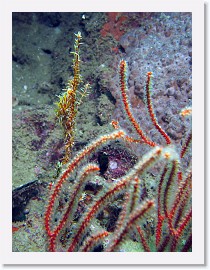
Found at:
<point>42,65</point>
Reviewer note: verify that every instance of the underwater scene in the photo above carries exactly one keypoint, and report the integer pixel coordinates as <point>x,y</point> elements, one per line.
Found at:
<point>102,132</point>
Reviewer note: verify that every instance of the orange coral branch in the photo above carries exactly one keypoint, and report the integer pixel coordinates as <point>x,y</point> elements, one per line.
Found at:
<point>123,88</point>
<point>134,217</point>
<point>93,240</point>
<point>143,240</point>
<point>186,145</point>
<point>151,111</point>
<point>71,167</point>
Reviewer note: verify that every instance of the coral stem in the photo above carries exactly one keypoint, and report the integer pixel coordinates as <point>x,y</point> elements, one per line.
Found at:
<point>151,111</point>
<point>123,88</point>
